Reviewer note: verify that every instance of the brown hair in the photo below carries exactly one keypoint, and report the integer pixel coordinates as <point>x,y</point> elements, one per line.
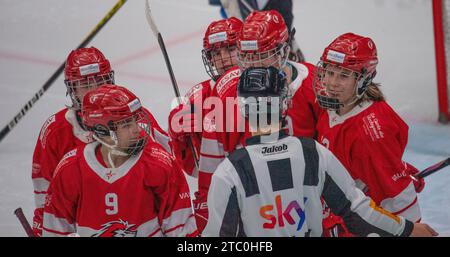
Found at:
<point>373,93</point>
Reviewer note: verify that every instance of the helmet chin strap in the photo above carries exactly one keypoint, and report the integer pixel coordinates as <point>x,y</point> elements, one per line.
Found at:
<point>284,52</point>
<point>113,150</point>
<point>355,99</point>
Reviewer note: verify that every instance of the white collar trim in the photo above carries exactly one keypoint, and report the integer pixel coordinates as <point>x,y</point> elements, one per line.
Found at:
<point>336,119</point>
<point>83,135</point>
<point>109,175</point>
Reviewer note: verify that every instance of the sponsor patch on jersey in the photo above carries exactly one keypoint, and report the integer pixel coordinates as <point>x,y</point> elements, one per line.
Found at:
<point>275,149</point>
<point>184,195</point>
<point>397,176</point>
<point>372,127</point>
<point>96,115</point>
<point>70,154</point>
<point>225,82</point>
<point>249,45</point>
<point>45,131</point>
<point>134,105</point>
<point>89,69</point>
<point>335,56</point>
<point>217,37</point>
<point>401,174</point>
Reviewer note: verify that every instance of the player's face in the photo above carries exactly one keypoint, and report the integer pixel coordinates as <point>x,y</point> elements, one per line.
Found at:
<point>340,83</point>
<point>259,60</point>
<point>224,58</point>
<point>81,87</point>
<point>128,132</point>
<point>132,132</point>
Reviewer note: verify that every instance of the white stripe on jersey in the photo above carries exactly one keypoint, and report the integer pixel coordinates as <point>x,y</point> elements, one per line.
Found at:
<point>402,201</point>
<point>209,164</point>
<point>40,185</point>
<point>412,213</point>
<point>39,199</point>
<point>212,147</point>
<point>54,224</point>
<point>174,224</point>
<point>163,140</point>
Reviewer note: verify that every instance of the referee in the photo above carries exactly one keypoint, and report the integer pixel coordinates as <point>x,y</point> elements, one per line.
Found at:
<point>273,187</point>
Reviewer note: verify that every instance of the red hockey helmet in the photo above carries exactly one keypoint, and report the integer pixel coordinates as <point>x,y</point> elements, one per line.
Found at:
<point>86,68</point>
<point>222,33</point>
<point>355,54</point>
<point>114,111</point>
<point>219,36</point>
<point>265,34</point>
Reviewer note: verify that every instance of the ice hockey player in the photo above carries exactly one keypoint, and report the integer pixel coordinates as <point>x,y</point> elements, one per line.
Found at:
<point>242,8</point>
<point>121,185</point>
<point>85,69</point>
<point>362,130</point>
<point>273,186</point>
<point>264,42</point>
<point>219,54</point>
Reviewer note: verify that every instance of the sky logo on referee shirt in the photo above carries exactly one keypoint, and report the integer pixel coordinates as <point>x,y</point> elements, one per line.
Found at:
<point>293,214</point>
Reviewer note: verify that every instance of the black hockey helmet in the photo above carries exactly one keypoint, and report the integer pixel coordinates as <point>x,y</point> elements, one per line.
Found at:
<point>263,91</point>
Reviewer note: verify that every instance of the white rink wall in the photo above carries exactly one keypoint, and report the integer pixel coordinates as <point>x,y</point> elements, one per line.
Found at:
<point>36,36</point>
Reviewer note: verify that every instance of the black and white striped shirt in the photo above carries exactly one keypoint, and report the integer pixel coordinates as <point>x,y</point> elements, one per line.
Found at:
<point>273,187</point>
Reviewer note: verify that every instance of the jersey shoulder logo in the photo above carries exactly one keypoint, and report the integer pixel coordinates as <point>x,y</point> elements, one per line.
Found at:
<point>227,81</point>
<point>45,130</point>
<point>116,228</point>
<point>65,160</point>
<point>194,90</point>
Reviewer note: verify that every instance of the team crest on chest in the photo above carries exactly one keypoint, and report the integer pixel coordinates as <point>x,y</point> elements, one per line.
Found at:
<point>116,228</point>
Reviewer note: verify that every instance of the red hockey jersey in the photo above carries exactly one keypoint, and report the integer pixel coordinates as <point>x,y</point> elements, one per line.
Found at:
<point>146,196</point>
<point>60,134</point>
<point>196,96</point>
<point>304,110</point>
<point>219,142</point>
<point>370,142</point>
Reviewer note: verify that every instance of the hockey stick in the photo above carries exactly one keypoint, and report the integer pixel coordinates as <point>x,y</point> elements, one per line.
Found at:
<point>432,169</point>
<point>247,5</point>
<point>56,74</point>
<point>422,174</point>
<point>23,220</point>
<point>158,35</point>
